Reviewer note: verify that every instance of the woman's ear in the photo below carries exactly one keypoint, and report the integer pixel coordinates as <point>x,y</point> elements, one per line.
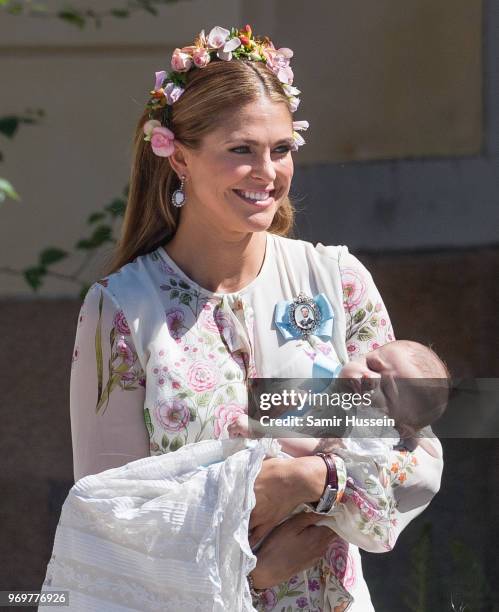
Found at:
<point>179,160</point>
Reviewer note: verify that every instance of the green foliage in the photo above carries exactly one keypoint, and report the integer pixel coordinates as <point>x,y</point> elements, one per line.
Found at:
<point>6,190</point>
<point>80,17</point>
<point>120,12</point>
<point>464,589</point>
<point>9,124</point>
<point>101,234</point>
<point>34,276</point>
<point>73,17</point>
<point>469,586</point>
<point>417,596</point>
<point>51,255</point>
<point>117,207</point>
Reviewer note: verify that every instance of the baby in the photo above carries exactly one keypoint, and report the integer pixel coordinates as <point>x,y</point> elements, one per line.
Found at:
<point>386,372</point>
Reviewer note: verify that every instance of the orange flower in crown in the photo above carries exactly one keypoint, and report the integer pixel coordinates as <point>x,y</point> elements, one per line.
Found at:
<point>220,44</point>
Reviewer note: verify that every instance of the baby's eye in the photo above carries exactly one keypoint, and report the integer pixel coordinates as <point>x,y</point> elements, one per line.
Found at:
<point>372,364</point>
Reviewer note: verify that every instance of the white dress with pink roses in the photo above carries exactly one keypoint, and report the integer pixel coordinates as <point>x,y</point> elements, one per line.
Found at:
<point>160,362</point>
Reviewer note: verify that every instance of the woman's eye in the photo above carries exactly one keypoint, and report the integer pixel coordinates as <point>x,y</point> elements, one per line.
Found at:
<point>282,150</point>
<point>242,149</point>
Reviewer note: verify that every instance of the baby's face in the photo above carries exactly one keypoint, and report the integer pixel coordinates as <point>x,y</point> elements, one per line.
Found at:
<point>389,360</point>
<point>378,371</point>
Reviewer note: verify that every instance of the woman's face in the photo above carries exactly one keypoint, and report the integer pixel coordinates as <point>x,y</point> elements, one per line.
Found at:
<point>242,171</point>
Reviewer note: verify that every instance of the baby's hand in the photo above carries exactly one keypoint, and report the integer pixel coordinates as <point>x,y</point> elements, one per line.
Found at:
<point>240,427</point>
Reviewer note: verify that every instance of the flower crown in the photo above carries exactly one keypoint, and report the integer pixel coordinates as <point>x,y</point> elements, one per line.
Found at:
<point>224,45</point>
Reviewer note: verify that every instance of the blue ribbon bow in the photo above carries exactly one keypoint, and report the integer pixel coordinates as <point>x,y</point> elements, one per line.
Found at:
<point>322,366</point>
<point>284,325</point>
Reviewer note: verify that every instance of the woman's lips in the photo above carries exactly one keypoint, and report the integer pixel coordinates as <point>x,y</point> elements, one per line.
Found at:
<point>262,203</point>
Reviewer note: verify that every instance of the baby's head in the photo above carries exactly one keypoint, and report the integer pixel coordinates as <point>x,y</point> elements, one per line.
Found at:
<point>400,366</point>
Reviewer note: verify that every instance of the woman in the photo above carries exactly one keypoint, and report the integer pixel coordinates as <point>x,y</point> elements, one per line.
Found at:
<point>198,300</point>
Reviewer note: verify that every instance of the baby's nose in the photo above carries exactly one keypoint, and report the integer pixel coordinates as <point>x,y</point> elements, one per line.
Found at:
<point>370,374</point>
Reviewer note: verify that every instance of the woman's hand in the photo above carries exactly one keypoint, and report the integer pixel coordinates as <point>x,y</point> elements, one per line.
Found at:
<point>293,546</point>
<point>281,486</point>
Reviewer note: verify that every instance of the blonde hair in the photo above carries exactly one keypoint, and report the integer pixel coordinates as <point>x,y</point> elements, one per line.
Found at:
<point>211,92</point>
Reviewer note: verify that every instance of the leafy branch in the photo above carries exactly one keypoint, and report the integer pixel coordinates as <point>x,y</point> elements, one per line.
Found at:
<point>102,228</point>
<point>9,125</point>
<point>80,17</point>
<point>466,580</point>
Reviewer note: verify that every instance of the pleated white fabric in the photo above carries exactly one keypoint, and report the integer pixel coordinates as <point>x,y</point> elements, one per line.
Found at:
<point>155,534</point>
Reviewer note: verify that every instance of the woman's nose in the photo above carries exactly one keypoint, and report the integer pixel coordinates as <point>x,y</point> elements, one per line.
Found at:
<point>264,168</point>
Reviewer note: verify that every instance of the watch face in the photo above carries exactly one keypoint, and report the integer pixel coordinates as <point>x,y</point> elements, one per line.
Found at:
<point>327,500</point>
<point>304,314</point>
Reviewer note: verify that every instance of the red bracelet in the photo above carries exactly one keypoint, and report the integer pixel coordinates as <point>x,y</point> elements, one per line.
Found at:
<point>330,492</point>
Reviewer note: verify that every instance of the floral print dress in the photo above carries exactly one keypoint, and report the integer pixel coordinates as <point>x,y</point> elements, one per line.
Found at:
<point>160,362</point>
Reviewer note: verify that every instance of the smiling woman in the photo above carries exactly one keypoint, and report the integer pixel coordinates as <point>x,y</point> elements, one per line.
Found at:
<point>206,292</point>
<point>228,156</point>
<point>241,174</point>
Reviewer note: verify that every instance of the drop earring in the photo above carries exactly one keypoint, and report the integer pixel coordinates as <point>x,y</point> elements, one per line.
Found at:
<point>178,196</point>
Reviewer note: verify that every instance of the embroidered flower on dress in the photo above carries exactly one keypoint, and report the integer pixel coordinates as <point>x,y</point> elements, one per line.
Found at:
<point>225,414</point>
<point>173,414</point>
<point>202,376</point>
<point>175,321</point>
<point>341,563</point>
<point>121,324</point>
<point>268,599</point>
<point>124,351</point>
<point>354,288</point>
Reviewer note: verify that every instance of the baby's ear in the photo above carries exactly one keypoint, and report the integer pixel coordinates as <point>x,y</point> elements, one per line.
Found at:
<point>407,432</point>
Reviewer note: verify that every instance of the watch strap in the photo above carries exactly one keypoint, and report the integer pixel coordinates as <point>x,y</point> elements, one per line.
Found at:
<point>330,493</point>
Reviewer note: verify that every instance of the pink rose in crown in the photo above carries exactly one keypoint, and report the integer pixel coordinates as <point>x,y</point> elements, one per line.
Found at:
<point>341,563</point>
<point>181,62</point>
<point>200,57</point>
<point>120,323</point>
<point>162,141</point>
<point>225,414</point>
<point>202,376</point>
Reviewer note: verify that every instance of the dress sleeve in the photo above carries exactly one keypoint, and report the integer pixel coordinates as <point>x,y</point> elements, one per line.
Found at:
<point>378,498</point>
<point>107,389</point>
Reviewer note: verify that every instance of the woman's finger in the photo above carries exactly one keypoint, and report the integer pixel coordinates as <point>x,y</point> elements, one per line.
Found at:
<point>296,522</point>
